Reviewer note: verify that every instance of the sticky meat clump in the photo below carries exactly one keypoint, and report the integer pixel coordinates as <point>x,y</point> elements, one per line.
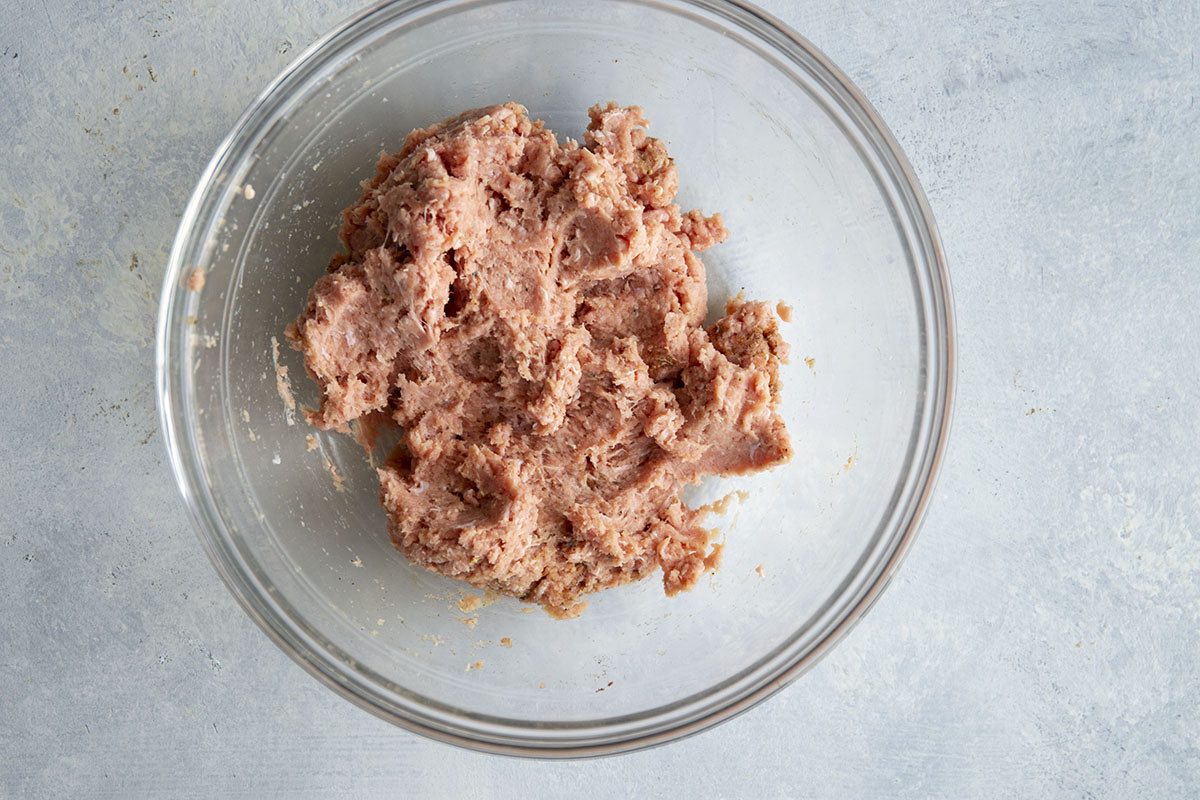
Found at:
<point>530,314</point>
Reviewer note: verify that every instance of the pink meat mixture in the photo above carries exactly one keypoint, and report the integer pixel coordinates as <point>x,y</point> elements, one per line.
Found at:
<point>530,314</point>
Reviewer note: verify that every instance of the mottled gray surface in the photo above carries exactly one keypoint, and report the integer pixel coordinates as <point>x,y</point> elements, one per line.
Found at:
<point>1042,638</point>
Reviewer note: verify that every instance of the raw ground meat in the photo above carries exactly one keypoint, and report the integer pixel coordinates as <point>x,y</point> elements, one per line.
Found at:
<point>531,315</point>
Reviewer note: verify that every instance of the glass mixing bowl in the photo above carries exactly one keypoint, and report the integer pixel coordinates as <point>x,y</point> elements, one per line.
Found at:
<point>824,214</point>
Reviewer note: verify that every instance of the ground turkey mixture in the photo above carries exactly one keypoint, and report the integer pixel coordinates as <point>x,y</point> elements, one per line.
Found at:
<point>531,315</point>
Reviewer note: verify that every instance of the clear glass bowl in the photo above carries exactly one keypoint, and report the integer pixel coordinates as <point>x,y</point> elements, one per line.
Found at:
<point>824,214</point>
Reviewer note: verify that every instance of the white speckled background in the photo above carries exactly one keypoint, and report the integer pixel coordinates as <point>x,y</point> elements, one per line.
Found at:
<point>1040,641</point>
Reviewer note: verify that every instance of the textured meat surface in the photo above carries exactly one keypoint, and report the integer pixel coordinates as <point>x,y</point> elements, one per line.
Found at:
<point>530,313</point>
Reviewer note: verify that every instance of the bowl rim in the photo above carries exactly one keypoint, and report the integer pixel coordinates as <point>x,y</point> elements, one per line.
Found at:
<point>310,654</point>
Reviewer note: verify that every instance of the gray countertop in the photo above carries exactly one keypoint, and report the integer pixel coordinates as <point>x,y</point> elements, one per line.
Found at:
<point>1040,641</point>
